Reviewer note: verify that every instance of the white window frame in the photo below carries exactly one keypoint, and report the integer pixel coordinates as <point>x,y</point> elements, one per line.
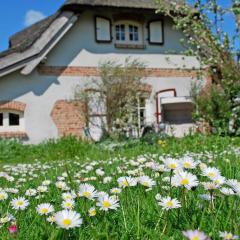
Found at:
<point>127,32</point>
<point>6,127</point>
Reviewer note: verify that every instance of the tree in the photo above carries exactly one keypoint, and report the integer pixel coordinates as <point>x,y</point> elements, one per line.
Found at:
<point>114,94</point>
<point>217,50</point>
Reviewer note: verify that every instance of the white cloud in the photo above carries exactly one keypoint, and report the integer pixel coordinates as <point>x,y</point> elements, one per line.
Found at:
<point>32,17</point>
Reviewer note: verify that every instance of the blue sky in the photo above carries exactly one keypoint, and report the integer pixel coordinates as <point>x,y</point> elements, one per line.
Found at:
<point>14,12</point>
<point>17,14</point>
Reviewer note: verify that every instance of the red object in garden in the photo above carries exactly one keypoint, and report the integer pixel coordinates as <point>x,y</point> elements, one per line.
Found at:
<point>12,229</point>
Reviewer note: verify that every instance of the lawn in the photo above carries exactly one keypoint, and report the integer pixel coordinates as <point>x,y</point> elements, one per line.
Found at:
<point>69,189</point>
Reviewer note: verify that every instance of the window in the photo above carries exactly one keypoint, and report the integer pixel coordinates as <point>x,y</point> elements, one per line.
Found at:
<point>14,119</point>
<point>11,121</point>
<point>128,32</point>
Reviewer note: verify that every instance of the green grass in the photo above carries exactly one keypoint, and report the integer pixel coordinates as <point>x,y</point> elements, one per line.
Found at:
<point>139,215</point>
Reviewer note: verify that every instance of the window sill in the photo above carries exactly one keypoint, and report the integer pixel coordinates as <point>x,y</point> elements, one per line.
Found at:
<point>130,46</point>
<point>16,134</point>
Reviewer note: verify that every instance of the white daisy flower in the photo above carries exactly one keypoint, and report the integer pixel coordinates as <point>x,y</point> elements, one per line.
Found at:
<point>146,181</point>
<point>116,190</point>
<point>188,163</point>
<point>44,208</point>
<point>227,236</point>
<point>68,204</point>
<point>61,185</point>
<point>106,203</point>
<point>195,235</point>
<point>127,182</point>
<point>19,203</point>
<point>211,172</point>
<point>68,196</point>
<point>184,179</point>
<point>87,190</point>
<point>168,203</point>
<point>31,192</point>
<point>42,189</point>
<point>92,212</point>
<point>68,219</point>
<point>227,191</point>
<point>3,196</point>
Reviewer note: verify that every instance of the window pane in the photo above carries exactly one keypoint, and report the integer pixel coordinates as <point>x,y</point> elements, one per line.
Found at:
<point>14,119</point>
<point>1,119</point>
<point>133,33</point>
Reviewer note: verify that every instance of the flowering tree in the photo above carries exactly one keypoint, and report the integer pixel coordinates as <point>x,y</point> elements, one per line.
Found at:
<point>202,22</point>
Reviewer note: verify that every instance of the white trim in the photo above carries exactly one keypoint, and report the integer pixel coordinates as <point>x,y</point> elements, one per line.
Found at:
<point>6,127</point>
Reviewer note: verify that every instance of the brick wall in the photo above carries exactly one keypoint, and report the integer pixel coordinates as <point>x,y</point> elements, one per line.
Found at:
<point>93,71</point>
<point>69,118</point>
<point>12,105</point>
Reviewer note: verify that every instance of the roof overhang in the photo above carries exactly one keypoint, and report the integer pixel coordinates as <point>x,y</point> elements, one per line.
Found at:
<point>176,100</point>
<point>32,56</point>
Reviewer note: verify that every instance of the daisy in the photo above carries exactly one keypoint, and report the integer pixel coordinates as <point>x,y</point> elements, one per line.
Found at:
<point>168,203</point>
<point>127,182</point>
<point>211,172</point>
<point>3,195</point>
<point>227,191</point>
<point>92,212</point>
<point>184,179</point>
<point>227,236</point>
<point>171,164</point>
<point>146,181</point>
<point>31,192</point>
<point>19,203</point>
<point>42,189</point>
<point>88,191</point>
<point>44,208</point>
<point>188,163</point>
<point>51,219</point>
<point>116,190</point>
<point>68,204</point>
<point>61,185</point>
<point>195,235</point>
<point>210,186</point>
<point>68,196</point>
<point>105,203</point>
<point>68,219</point>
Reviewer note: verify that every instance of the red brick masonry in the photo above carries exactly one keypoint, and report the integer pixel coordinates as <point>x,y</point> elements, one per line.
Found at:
<point>93,71</point>
<point>69,118</point>
<point>13,134</point>
<point>12,105</point>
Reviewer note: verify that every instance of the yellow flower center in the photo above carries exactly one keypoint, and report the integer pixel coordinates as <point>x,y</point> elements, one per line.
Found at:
<point>195,238</point>
<point>211,174</point>
<point>20,203</point>
<point>92,212</point>
<point>1,196</point>
<point>169,204</point>
<point>44,210</point>
<point>86,194</point>
<point>106,204</point>
<point>185,181</point>
<point>146,184</point>
<point>229,236</point>
<point>187,165</point>
<point>66,222</point>
<point>172,166</point>
<point>125,183</point>
<point>68,204</point>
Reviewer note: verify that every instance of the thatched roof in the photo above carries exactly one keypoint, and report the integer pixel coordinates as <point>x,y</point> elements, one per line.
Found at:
<point>146,4</point>
<point>22,40</point>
